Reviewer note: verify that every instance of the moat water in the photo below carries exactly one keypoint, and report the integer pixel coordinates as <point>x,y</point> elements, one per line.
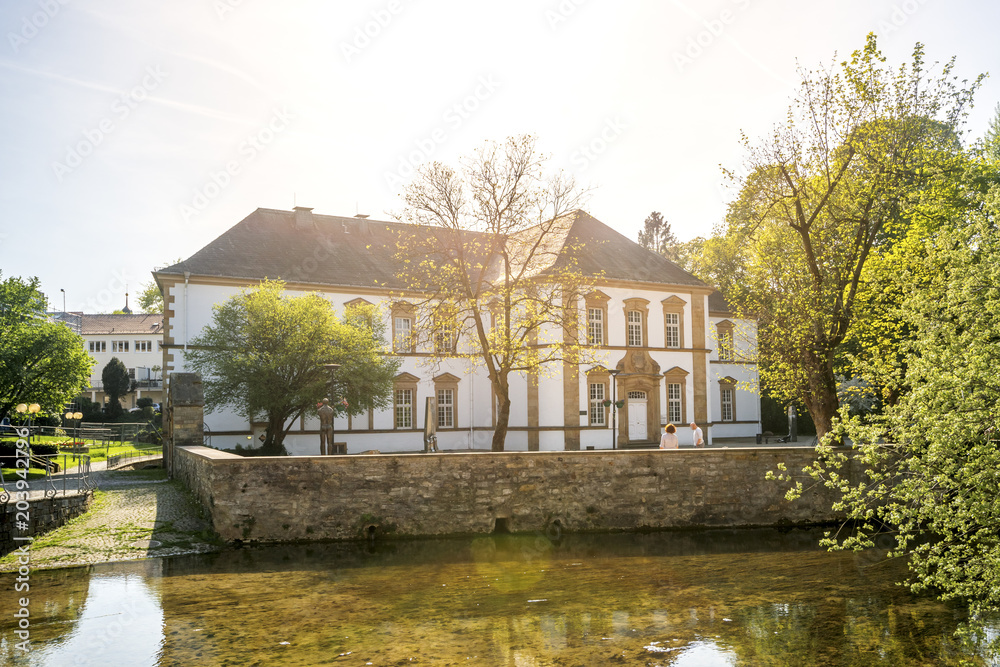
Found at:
<point>725,597</point>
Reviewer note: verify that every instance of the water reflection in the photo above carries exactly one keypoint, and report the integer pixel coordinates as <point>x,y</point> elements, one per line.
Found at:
<point>760,597</point>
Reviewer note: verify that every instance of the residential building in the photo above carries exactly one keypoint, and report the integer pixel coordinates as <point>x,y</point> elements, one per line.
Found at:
<point>651,326</point>
<point>137,341</point>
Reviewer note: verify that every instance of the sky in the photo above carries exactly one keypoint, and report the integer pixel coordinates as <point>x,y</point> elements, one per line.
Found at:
<point>136,131</point>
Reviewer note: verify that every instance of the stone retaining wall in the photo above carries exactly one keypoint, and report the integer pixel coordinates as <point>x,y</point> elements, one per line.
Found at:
<point>349,497</point>
<point>44,514</point>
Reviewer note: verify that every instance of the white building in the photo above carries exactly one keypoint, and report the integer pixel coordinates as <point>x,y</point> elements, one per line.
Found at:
<point>137,340</point>
<point>649,321</point>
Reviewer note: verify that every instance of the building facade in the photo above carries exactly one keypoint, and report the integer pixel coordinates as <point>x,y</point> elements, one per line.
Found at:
<point>653,332</point>
<point>137,340</point>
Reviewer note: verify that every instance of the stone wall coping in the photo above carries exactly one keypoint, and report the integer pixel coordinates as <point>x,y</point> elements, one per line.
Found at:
<point>218,455</point>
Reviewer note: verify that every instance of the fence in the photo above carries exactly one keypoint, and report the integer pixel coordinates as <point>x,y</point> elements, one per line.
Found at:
<point>138,453</point>
<point>57,478</point>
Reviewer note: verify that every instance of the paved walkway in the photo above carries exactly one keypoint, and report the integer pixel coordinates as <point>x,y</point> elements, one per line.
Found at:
<point>136,514</point>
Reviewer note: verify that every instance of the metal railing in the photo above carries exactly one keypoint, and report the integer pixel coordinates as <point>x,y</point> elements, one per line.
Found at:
<point>118,459</point>
<point>57,478</point>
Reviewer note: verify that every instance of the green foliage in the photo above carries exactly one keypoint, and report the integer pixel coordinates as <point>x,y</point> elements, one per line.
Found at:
<point>151,298</point>
<point>656,235</point>
<point>865,154</point>
<point>40,362</point>
<point>263,355</point>
<point>116,383</point>
<point>934,457</point>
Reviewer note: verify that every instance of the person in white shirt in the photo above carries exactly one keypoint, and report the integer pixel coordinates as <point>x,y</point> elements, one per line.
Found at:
<point>669,438</point>
<point>698,438</point>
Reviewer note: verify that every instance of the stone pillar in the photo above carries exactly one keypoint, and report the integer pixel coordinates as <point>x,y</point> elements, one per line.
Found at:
<point>185,414</point>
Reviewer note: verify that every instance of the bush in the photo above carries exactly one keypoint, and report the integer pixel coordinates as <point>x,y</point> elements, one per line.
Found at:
<point>44,450</point>
<point>144,402</point>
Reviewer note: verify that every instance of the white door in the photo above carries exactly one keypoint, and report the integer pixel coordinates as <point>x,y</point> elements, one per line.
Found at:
<point>637,416</point>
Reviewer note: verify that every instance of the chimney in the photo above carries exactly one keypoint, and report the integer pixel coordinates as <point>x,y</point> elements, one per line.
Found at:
<point>303,218</point>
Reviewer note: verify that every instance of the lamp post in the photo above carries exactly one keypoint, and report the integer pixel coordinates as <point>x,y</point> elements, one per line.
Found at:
<point>70,416</point>
<point>332,368</point>
<point>31,411</point>
<point>614,406</point>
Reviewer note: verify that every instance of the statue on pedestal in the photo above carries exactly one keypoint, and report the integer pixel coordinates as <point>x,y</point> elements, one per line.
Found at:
<point>325,428</point>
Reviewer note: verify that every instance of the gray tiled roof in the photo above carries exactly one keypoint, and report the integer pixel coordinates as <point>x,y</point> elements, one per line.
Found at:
<point>151,324</point>
<point>346,252</point>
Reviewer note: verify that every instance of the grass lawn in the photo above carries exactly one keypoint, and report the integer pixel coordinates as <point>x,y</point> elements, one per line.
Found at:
<point>11,475</point>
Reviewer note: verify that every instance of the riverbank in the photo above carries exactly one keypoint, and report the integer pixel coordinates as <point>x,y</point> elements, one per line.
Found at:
<point>135,514</point>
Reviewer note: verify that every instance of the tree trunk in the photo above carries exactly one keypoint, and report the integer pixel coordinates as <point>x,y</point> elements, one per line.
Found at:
<point>821,400</point>
<point>274,438</point>
<point>503,417</point>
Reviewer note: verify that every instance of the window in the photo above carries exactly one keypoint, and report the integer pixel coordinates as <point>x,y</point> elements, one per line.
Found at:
<point>404,397</point>
<point>446,391</point>
<point>402,333</point>
<point>727,404</point>
<point>98,346</point>
<point>143,346</point>
<point>675,403</point>
<point>672,322</point>
<point>597,318</point>
<point>119,346</point>
<point>131,374</point>
<point>403,317</point>
<point>159,346</point>
<point>595,326</point>
<point>636,314</point>
<point>446,408</point>
<point>634,328</point>
<point>404,408</point>
<point>597,409</point>
<point>445,338</point>
<point>724,334</point>
<point>676,379</point>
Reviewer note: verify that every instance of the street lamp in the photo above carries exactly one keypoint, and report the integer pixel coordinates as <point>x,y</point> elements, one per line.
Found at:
<point>332,368</point>
<point>614,406</point>
<point>70,416</point>
<point>31,410</point>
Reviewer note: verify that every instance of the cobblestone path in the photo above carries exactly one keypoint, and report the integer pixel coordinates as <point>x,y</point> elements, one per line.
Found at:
<point>135,514</point>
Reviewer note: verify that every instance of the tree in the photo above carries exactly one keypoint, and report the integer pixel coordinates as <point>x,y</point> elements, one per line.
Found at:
<point>838,183</point>
<point>491,266</point>
<point>657,236</point>
<point>932,460</point>
<point>264,355</point>
<point>116,383</point>
<point>151,299</point>
<point>40,361</point>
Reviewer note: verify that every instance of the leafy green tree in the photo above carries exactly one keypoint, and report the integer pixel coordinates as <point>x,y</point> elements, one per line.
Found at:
<point>116,383</point>
<point>656,235</point>
<point>933,459</point>
<point>264,355</point>
<point>836,185</point>
<point>151,299</point>
<point>40,361</point>
<point>496,273</point>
